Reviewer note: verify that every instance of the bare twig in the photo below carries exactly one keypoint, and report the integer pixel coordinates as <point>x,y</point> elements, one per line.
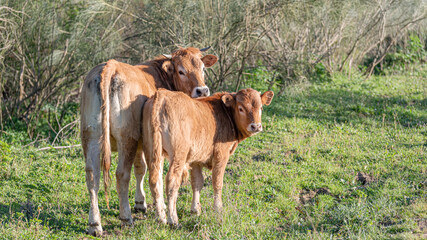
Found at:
<point>71,123</point>
<point>59,147</point>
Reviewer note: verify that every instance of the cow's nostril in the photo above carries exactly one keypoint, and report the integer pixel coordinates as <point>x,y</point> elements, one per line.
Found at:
<point>198,92</point>
<point>206,91</point>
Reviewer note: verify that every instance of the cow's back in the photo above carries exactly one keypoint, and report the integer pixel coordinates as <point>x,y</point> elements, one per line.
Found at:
<point>90,103</point>
<point>130,87</point>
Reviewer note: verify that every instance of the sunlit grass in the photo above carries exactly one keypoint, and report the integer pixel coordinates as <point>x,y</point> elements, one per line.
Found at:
<point>316,138</point>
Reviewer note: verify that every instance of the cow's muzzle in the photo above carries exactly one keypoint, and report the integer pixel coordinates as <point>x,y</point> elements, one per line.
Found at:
<point>200,92</point>
<point>255,127</point>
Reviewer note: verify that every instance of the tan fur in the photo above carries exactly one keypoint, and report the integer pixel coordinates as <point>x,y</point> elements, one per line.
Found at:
<point>112,98</point>
<point>196,133</point>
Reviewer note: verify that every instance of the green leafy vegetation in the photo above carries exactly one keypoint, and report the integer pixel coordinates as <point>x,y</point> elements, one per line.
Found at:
<point>343,158</point>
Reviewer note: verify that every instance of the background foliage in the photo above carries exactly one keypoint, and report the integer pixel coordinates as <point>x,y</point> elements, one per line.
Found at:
<point>48,46</point>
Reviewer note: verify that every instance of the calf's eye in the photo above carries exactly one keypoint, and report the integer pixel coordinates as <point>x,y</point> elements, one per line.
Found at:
<point>240,109</point>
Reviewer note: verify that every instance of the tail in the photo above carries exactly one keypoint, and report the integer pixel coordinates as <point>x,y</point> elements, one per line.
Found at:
<point>106,75</point>
<point>156,131</point>
<point>185,173</point>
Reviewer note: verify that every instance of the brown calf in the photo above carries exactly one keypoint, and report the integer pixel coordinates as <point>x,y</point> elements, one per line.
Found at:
<point>196,133</point>
<point>112,98</point>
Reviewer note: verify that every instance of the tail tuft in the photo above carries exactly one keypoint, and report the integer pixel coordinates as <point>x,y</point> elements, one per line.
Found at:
<point>185,174</point>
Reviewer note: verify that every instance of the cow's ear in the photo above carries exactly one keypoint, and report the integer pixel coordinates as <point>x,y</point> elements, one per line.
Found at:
<point>209,60</point>
<point>167,66</point>
<point>267,97</point>
<point>228,100</point>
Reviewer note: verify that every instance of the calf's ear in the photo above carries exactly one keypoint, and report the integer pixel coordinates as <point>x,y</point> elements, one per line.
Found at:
<point>168,67</point>
<point>267,97</point>
<point>228,100</point>
<point>209,60</point>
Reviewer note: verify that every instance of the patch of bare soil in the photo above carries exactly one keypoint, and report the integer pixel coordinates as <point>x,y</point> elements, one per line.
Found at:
<point>422,224</point>
<point>307,195</point>
<point>364,178</point>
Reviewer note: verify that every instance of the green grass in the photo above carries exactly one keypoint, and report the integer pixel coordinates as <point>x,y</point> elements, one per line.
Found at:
<point>317,138</point>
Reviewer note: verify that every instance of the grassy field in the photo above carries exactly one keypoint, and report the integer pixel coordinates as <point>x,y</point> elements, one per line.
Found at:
<point>338,159</point>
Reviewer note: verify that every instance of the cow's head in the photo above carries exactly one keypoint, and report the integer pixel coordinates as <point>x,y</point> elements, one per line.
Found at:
<point>247,107</point>
<point>186,67</point>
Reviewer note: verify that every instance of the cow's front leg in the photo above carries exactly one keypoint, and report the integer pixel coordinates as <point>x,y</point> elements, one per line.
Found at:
<point>196,185</point>
<point>127,152</point>
<point>217,182</point>
<point>140,170</point>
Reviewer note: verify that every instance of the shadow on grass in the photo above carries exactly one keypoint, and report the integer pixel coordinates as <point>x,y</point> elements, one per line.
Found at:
<point>29,212</point>
<point>58,221</point>
<point>343,106</point>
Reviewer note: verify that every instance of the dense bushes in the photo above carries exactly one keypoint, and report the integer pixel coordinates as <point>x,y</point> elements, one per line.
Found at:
<point>46,47</point>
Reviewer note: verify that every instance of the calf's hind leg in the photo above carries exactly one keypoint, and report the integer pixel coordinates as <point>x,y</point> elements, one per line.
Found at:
<point>173,182</point>
<point>156,187</point>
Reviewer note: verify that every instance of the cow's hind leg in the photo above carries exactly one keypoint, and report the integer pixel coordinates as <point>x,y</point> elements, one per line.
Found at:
<point>140,170</point>
<point>127,151</point>
<point>197,185</point>
<point>91,150</point>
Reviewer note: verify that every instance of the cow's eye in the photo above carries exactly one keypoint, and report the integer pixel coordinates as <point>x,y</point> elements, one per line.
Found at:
<point>181,72</point>
<point>240,109</point>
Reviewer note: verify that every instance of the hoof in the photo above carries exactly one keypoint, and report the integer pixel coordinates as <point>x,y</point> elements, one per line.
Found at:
<point>173,223</point>
<point>126,222</point>
<point>140,209</point>
<point>140,206</point>
<point>95,230</point>
<point>161,220</point>
<point>175,226</point>
<point>196,211</point>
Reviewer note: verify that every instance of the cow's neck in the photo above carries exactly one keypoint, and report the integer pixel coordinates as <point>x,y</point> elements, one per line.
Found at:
<point>168,81</point>
<point>165,80</point>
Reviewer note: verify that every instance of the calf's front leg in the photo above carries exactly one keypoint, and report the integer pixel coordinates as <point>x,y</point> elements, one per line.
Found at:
<point>217,182</point>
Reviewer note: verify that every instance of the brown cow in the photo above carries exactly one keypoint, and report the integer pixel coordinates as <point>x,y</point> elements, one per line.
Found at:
<point>196,133</point>
<point>112,98</point>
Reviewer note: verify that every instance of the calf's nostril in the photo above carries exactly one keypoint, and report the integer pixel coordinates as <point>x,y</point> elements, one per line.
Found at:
<point>198,92</point>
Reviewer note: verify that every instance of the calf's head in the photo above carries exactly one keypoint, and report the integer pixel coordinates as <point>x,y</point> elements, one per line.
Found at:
<point>247,108</point>
<point>186,66</point>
